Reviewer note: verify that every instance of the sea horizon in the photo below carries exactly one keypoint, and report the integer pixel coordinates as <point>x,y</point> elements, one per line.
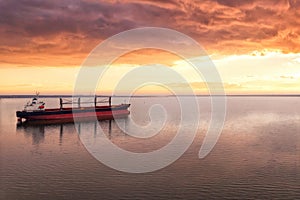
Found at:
<point>183,95</point>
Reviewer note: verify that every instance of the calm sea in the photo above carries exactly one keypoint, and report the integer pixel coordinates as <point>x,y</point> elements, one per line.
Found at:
<point>256,157</point>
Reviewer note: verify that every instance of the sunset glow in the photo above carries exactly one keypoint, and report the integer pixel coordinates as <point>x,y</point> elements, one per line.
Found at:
<point>254,44</point>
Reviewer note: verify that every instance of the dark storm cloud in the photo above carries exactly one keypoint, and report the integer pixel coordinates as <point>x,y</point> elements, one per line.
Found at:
<point>254,23</point>
<point>76,26</point>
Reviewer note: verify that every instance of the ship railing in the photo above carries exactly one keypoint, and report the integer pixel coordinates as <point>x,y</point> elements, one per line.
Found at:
<point>79,102</point>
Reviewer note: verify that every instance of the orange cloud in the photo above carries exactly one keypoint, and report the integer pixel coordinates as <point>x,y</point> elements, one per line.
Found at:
<point>62,33</point>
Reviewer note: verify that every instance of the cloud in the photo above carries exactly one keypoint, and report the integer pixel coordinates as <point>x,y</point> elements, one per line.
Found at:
<point>287,77</point>
<point>65,28</point>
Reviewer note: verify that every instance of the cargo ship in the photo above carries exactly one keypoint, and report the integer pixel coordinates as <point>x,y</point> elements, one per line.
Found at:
<point>35,111</point>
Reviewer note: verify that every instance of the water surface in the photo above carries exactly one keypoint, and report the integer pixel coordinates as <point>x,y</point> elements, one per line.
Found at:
<point>256,157</point>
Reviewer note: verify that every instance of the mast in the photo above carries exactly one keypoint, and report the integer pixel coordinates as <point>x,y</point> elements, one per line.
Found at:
<point>61,103</point>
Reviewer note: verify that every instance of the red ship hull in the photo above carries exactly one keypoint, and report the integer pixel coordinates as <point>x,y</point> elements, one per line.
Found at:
<point>76,114</point>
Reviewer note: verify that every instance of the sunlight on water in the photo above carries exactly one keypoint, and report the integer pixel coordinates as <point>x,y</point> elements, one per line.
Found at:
<point>256,157</point>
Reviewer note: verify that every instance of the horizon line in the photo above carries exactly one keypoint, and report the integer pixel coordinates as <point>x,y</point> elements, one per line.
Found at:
<point>198,95</point>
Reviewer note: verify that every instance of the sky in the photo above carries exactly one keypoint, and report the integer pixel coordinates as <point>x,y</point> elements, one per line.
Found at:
<point>254,44</point>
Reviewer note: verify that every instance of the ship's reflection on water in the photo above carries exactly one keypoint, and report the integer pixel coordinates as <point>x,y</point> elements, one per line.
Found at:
<point>38,130</point>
